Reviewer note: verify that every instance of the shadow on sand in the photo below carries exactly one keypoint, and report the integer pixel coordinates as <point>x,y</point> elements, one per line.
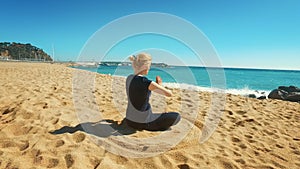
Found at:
<point>103,128</point>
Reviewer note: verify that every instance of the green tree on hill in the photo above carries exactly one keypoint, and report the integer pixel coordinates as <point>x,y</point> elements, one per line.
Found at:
<point>18,51</point>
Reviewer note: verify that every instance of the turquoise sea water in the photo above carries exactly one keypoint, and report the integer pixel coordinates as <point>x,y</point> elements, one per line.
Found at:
<point>234,79</point>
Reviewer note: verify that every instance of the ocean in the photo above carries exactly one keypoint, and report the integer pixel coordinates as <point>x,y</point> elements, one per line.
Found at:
<point>238,81</point>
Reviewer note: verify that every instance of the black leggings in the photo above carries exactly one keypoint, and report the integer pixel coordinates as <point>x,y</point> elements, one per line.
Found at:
<point>163,122</point>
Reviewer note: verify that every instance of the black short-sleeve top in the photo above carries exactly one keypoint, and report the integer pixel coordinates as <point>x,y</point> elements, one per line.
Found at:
<point>138,94</point>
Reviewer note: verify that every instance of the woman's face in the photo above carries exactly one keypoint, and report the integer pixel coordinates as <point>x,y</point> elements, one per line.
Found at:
<point>147,71</point>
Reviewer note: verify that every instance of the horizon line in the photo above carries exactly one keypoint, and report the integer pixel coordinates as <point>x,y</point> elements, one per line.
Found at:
<point>203,66</point>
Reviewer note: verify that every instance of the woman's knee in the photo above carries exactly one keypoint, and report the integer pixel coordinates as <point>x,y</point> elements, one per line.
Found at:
<point>177,119</point>
<point>174,117</point>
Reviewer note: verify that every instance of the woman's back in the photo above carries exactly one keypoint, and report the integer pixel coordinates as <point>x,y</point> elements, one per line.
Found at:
<point>138,107</point>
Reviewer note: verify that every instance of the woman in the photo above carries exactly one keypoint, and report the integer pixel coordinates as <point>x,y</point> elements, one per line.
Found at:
<point>138,88</point>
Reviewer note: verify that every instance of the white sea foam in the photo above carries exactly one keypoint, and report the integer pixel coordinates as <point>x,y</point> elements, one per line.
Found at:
<point>246,92</point>
<point>242,92</point>
<point>191,87</point>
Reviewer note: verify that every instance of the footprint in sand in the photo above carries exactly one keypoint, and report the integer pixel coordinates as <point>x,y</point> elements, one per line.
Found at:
<point>7,144</point>
<point>256,153</point>
<point>242,146</point>
<point>227,164</point>
<point>277,164</point>
<point>248,136</point>
<point>198,124</point>
<point>95,162</point>
<point>59,143</point>
<point>8,114</point>
<point>23,146</point>
<point>57,114</point>
<point>52,163</point>
<point>9,165</point>
<point>241,161</point>
<point>26,115</point>
<point>55,121</point>
<point>36,154</point>
<point>183,166</point>
<point>279,157</point>
<point>236,140</point>
<point>236,153</point>
<point>296,152</point>
<point>7,110</point>
<point>279,146</point>
<point>69,160</point>
<point>18,130</point>
<point>180,157</point>
<point>79,137</point>
<point>241,112</point>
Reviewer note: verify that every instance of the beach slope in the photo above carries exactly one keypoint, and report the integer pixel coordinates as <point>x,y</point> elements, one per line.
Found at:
<point>40,126</point>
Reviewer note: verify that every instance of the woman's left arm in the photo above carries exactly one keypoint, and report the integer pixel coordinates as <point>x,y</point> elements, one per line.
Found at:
<point>159,89</point>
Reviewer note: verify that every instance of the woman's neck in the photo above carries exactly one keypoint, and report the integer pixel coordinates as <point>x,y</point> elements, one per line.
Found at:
<point>138,74</point>
<point>142,73</point>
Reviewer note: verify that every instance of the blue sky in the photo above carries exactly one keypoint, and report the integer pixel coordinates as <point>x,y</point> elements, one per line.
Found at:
<point>256,33</point>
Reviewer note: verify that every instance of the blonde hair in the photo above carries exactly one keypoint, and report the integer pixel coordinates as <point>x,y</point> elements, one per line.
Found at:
<point>141,61</point>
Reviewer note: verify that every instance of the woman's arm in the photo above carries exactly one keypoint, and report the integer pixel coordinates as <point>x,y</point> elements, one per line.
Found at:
<point>158,88</point>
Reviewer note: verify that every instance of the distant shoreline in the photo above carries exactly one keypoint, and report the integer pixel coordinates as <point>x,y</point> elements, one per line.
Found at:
<point>95,64</point>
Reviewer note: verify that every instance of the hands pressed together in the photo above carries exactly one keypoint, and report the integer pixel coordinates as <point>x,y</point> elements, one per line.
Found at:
<point>158,80</point>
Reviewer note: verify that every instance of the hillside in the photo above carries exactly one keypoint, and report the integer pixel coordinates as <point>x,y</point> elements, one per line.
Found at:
<point>19,51</point>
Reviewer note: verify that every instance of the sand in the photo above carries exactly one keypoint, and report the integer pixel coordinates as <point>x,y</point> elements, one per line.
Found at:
<point>45,124</point>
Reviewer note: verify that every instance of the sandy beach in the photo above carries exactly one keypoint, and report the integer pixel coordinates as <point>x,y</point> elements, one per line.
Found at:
<point>40,126</point>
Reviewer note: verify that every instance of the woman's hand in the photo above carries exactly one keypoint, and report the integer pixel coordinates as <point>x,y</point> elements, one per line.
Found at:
<point>158,80</point>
